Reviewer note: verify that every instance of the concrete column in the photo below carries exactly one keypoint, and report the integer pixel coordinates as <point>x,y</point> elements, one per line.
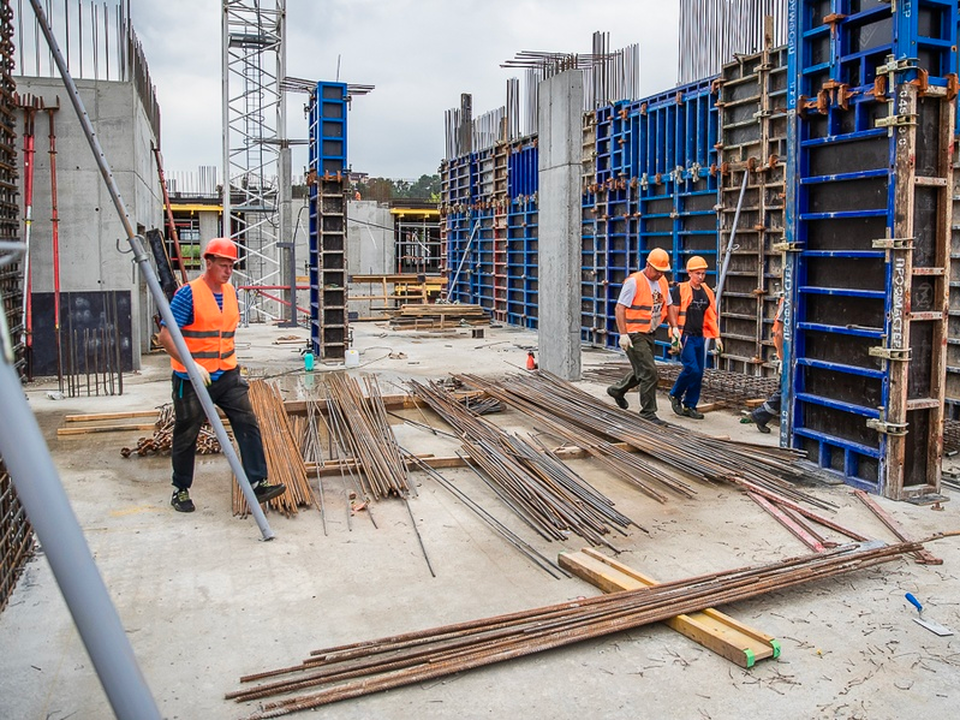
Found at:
<point>560,119</point>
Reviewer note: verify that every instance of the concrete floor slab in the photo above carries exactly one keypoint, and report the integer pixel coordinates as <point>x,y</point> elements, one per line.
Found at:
<point>204,601</point>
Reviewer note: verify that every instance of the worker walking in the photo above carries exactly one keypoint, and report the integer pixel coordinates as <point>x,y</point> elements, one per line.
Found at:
<point>643,305</point>
<point>207,312</point>
<point>697,320</point>
<point>771,406</point>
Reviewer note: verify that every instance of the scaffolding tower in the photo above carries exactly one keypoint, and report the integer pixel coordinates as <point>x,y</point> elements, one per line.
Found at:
<point>254,125</point>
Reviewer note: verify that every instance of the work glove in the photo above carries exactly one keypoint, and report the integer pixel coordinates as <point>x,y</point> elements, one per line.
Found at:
<point>778,366</point>
<point>625,342</point>
<point>675,335</point>
<point>719,344</point>
<point>204,375</point>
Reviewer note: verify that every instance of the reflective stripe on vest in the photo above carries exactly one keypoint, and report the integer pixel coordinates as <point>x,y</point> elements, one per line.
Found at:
<point>638,314</point>
<point>208,338</point>
<point>710,327</point>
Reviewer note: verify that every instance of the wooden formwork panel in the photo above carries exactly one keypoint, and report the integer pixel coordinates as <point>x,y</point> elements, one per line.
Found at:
<point>752,109</point>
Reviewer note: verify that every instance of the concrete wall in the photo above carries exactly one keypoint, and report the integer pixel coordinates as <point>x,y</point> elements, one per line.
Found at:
<point>560,140</point>
<point>370,250</point>
<point>89,227</point>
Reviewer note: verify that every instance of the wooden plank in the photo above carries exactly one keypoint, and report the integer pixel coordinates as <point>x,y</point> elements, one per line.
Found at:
<point>61,432</point>
<point>112,415</point>
<point>729,638</point>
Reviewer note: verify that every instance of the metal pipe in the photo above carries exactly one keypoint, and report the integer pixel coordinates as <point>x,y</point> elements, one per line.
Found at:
<point>151,278</point>
<point>43,497</point>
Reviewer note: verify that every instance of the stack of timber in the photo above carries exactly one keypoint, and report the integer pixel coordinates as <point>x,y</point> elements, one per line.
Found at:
<point>284,462</point>
<point>357,669</point>
<point>437,316</point>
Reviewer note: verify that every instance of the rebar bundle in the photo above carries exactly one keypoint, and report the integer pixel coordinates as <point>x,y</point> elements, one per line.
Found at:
<point>360,425</point>
<point>546,494</point>
<point>357,669</point>
<point>687,453</point>
<point>284,462</point>
<point>713,31</point>
<point>162,439</point>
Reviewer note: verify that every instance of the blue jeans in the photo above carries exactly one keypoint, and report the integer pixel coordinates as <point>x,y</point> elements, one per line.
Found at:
<point>230,393</point>
<point>688,384</point>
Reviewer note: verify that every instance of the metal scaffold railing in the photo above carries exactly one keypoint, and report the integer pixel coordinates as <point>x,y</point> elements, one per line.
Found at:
<point>254,130</point>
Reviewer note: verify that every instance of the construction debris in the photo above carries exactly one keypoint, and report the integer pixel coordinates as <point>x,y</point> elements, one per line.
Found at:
<point>162,439</point>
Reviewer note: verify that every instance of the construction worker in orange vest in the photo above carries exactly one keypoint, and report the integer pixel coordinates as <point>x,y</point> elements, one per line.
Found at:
<point>697,320</point>
<point>643,305</point>
<point>207,313</point>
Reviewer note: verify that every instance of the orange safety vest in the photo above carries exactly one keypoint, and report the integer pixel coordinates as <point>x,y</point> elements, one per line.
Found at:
<point>209,337</point>
<point>638,315</point>
<point>710,327</point>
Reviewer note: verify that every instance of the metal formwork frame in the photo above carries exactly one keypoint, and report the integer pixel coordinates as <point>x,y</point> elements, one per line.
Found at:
<point>753,116</point>
<point>327,265</point>
<point>522,234</point>
<point>254,129</point>
<point>676,163</point>
<point>867,234</point>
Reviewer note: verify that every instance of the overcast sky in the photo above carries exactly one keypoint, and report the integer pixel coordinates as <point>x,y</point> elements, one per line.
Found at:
<point>420,54</point>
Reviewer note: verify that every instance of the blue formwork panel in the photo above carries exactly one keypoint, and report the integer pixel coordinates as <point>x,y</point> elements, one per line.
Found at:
<point>676,164</point>
<point>460,254</point>
<point>522,262</point>
<point>327,115</point>
<point>867,238</point>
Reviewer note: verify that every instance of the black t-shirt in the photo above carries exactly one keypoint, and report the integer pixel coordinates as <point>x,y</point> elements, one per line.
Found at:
<point>693,322</point>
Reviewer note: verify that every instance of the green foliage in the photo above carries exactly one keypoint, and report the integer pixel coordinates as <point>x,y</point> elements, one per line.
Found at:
<point>427,187</point>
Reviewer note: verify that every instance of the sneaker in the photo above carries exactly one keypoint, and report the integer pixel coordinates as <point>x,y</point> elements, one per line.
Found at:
<point>618,398</point>
<point>675,404</point>
<point>181,501</point>
<point>266,491</point>
<point>693,413</point>
<point>653,419</point>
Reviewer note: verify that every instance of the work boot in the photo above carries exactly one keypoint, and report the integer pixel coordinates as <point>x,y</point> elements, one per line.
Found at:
<point>618,398</point>
<point>675,404</point>
<point>693,413</point>
<point>652,418</point>
<point>762,426</point>
<point>266,491</point>
<point>181,501</point>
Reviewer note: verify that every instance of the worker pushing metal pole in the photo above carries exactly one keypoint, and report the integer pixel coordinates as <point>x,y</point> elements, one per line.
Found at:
<point>153,283</point>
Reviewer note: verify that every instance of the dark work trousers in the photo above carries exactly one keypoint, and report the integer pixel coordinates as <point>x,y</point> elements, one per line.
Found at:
<point>690,380</point>
<point>643,373</point>
<point>230,394</point>
<point>768,411</point>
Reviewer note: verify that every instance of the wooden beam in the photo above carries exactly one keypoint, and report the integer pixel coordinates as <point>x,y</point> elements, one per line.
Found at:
<point>729,638</point>
<point>112,415</point>
<point>102,429</point>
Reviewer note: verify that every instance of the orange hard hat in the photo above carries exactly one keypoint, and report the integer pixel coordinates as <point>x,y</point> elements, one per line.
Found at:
<point>659,260</point>
<point>696,263</point>
<point>221,248</point>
